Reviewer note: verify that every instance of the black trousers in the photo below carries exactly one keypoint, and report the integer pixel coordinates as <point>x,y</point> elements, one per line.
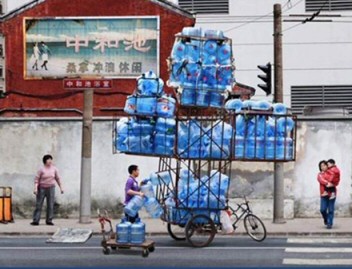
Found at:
<point>49,194</point>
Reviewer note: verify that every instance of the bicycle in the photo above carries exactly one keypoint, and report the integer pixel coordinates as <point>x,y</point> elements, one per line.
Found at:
<point>254,226</point>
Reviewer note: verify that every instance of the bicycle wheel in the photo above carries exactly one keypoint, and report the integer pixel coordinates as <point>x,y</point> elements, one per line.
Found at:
<point>200,231</point>
<point>254,227</point>
<point>177,232</point>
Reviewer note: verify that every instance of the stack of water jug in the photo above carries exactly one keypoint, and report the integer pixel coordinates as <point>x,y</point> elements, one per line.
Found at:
<point>149,201</point>
<point>152,130</point>
<point>200,139</point>
<point>201,67</point>
<point>128,232</point>
<point>205,195</point>
<point>259,136</point>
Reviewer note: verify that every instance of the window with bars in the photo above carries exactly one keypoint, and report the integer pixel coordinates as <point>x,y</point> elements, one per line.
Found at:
<point>205,6</point>
<point>328,5</point>
<point>335,96</point>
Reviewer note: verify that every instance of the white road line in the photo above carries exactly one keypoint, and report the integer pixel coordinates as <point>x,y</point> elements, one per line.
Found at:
<point>161,247</point>
<point>319,250</point>
<point>318,261</point>
<point>320,240</point>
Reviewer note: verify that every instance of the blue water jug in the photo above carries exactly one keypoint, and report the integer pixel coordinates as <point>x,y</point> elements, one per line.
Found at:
<point>139,144</point>
<point>193,52</point>
<point>216,99</point>
<point>179,51</point>
<point>153,208</point>
<point>161,178</point>
<point>250,148</point>
<point>279,109</point>
<point>146,105</point>
<point>214,34</point>
<point>123,231</point>
<point>193,72</point>
<point>178,74</point>
<point>224,54</point>
<point>218,152</point>
<point>208,77</point>
<point>170,205</point>
<point>164,125</point>
<point>192,31</point>
<point>149,84</point>
<point>134,205</point>
<point>202,98</point>
<point>138,232</point>
<point>142,127</point>
<point>260,147</point>
<point>148,189</point>
<point>210,47</point>
<point>234,104</point>
<point>131,104</point>
<point>262,105</point>
<point>239,147</point>
<point>122,132</point>
<point>154,179</point>
<point>164,144</point>
<point>247,104</point>
<point>285,125</point>
<point>209,59</point>
<point>188,97</point>
<point>284,148</point>
<point>260,122</point>
<point>166,107</point>
<point>270,148</point>
<point>224,77</point>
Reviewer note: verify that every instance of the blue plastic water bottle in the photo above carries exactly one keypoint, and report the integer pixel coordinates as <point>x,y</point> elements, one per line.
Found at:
<point>202,98</point>
<point>164,125</point>
<point>250,148</point>
<point>153,207</point>
<point>234,104</point>
<point>224,54</point>
<point>179,51</point>
<point>260,147</point>
<point>130,105</point>
<point>279,109</point>
<point>188,97</point>
<point>146,105</point>
<point>239,147</point>
<point>209,59</point>
<point>224,77</point>
<point>210,47</point>
<point>216,99</point>
<point>270,148</point>
<point>164,144</point>
<point>148,189</point>
<point>192,31</point>
<point>166,107</point>
<point>138,232</point>
<point>134,205</point>
<point>123,231</point>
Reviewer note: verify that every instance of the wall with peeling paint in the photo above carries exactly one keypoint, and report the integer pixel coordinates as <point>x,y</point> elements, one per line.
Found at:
<point>23,143</point>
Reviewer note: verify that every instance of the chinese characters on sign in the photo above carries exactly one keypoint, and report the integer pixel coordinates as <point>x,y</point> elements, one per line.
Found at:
<point>104,47</point>
<point>87,84</point>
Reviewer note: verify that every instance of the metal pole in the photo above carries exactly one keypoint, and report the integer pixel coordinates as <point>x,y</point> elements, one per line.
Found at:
<point>279,187</point>
<point>86,162</point>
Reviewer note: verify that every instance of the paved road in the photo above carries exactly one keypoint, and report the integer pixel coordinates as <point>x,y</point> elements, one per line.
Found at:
<point>223,252</point>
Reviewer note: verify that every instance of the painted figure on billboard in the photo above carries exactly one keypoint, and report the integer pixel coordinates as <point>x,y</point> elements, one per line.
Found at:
<point>104,47</point>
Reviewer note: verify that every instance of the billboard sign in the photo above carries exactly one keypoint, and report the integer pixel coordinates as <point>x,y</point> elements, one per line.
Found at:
<point>118,47</point>
<point>83,84</point>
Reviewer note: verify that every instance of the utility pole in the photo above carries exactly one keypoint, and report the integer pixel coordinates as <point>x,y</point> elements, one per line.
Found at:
<point>86,162</point>
<point>279,187</point>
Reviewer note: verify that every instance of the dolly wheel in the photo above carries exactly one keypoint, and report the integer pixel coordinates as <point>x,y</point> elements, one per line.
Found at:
<point>106,251</point>
<point>145,253</point>
<point>151,249</point>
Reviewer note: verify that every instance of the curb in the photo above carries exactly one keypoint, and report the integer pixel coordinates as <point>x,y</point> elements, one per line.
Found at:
<point>273,234</point>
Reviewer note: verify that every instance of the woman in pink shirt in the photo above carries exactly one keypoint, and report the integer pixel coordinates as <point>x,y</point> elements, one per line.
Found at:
<point>44,187</point>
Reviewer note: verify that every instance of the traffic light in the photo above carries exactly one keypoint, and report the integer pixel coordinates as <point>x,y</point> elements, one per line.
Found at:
<point>266,78</point>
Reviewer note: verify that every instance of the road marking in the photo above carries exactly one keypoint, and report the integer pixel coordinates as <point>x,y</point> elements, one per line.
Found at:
<point>320,240</point>
<point>318,261</point>
<point>157,247</point>
<point>319,250</point>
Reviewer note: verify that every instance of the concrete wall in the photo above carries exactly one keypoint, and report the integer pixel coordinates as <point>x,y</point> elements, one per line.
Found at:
<point>23,143</point>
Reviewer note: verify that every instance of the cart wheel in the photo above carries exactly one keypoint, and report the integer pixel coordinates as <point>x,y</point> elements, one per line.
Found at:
<point>254,227</point>
<point>113,248</point>
<point>106,251</point>
<point>177,232</point>
<point>145,253</point>
<point>151,249</point>
<point>200,231</point>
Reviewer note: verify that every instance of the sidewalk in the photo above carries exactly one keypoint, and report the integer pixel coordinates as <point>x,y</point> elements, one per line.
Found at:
<point>294,227</point>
